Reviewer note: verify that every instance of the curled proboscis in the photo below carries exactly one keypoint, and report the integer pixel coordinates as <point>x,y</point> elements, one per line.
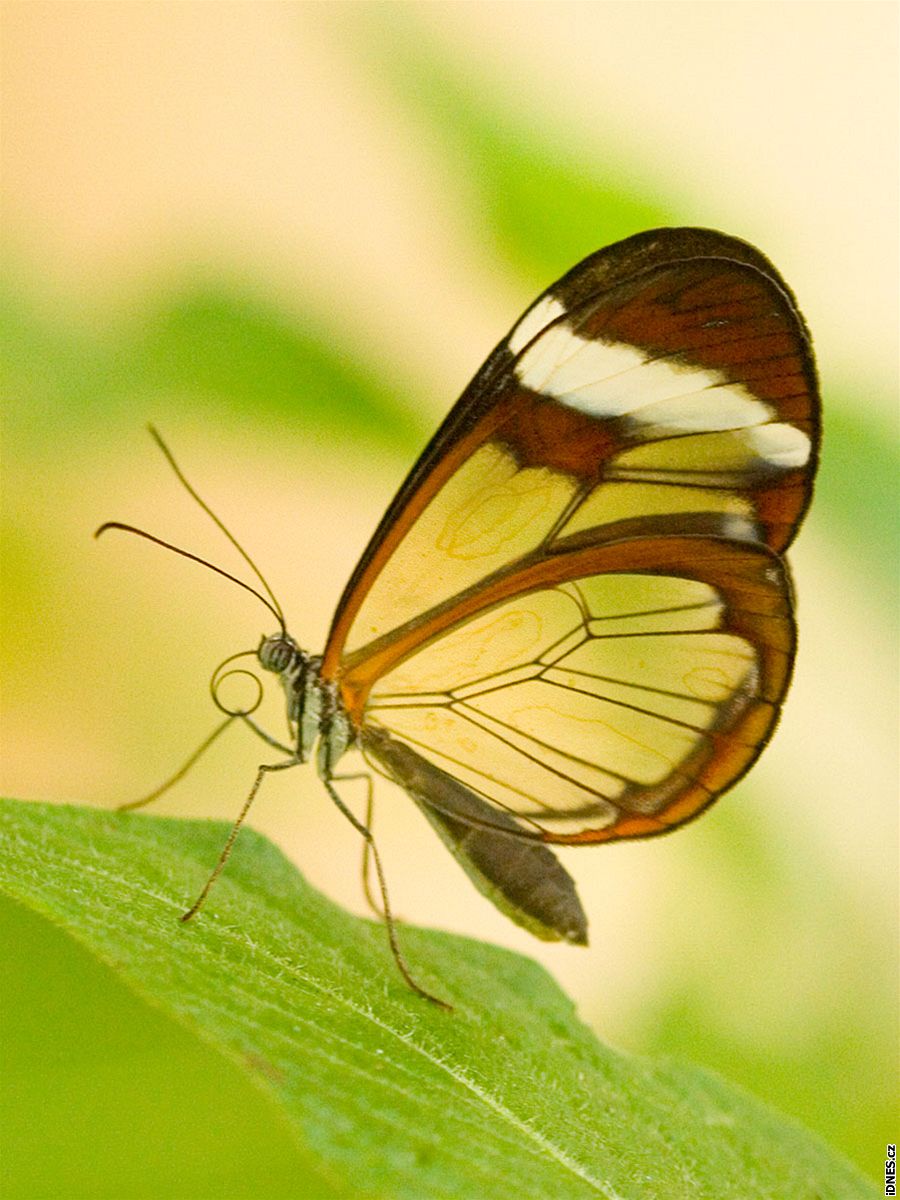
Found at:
<point>218,678</point>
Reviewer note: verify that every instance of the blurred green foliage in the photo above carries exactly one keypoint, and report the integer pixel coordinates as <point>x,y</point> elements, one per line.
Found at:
<point>533,200</point>
<point>236,356</point>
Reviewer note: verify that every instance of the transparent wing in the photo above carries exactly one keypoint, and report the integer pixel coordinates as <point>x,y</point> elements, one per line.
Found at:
<point>605,697</point>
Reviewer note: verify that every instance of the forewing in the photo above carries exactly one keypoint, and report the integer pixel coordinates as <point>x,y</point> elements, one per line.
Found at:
<point>664,385</point>
<point>609,692</point>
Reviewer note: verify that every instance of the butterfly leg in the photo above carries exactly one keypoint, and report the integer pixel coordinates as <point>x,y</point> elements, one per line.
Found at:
<point>371,899</point>
<point>266,737</point>
<point>370,896</point>
<point>180,773</point>
<point>235,830</point>
<point>366,833</point>
<point>130,805</point>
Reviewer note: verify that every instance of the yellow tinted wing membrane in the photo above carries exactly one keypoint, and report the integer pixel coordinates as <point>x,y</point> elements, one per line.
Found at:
<point>609,705</point>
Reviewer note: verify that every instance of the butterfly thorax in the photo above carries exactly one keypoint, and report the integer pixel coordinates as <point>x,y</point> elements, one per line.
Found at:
<point>314,709</point>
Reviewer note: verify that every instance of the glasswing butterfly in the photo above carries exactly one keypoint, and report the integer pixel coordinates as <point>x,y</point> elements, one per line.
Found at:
<point>574,623</point>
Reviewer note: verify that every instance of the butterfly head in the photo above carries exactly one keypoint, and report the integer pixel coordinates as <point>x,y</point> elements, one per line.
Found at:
<point>299,675</point>
<point>278,652</point>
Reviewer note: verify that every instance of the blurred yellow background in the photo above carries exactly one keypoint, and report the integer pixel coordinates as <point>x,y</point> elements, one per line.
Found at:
<point>288,234</point>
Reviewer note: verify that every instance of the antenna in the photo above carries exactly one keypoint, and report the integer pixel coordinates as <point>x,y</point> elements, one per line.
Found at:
<point>268,600</point>
<point>276,612</point>
<point>154,433</point>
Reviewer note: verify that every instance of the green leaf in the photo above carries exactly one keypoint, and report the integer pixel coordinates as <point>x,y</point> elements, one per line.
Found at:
<point>387,1095</point>
<point>105,1096</point>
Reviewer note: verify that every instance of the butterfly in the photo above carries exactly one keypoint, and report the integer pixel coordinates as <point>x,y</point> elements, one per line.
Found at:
<point>574,623</point>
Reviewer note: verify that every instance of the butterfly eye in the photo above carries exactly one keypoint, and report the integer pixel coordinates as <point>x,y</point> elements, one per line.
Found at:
<point>276,652</point>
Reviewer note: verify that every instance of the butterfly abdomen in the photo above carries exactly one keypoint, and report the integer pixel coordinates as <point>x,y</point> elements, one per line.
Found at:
<point>519,874</point>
